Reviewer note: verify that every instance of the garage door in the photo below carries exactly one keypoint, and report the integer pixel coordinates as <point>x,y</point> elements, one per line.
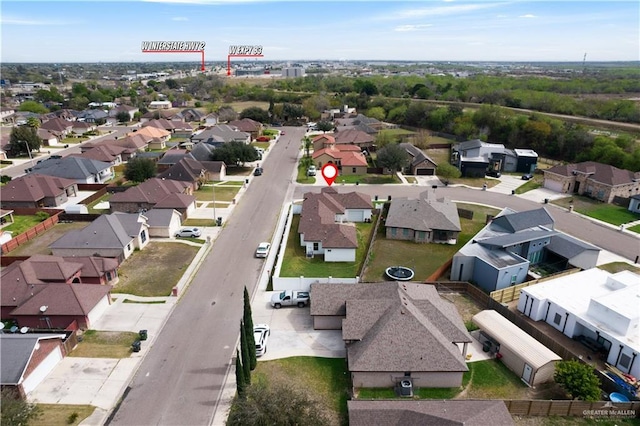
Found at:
<point>42,370</point>
<point>425,172</point>
<point>355,215</point>
<point>553,185</point>
<point>98,310</point>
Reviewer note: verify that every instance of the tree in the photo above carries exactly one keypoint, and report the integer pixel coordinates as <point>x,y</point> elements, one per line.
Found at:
<point>377,112</point>
<point>123,117</point>
<point>15,410</point>
<point>233,153</point>
<point>20,135</point>
<point>393,157</point>
<point>33,106</point>
<point>325,126</point>
<point>447,171</point>
<point>308,143</point>
<point>241,384</point>
<point>244,350</point>
<point>256,114</point>
<point>578,380</point>
<point>33,122</point>
<point>140,169</point>
<point>248,326</point>
<point>365,86</point>
<point>278,403</point>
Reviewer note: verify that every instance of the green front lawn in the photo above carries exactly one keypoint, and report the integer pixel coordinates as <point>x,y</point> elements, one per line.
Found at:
<point>531,184</point>
<point>424,259</point>
<point>635,229</point>
<point>368,178</point>
<point>263,145</point>
<point>302,175</point>
<point>61,414</point>
<point>223,193</point>
<point>104,344</point>
<point>296,264</point>
<point>609,213</point>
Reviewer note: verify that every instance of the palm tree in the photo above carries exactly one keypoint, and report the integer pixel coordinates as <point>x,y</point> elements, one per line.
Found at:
<point>33,122</point>
<point>307,145</point>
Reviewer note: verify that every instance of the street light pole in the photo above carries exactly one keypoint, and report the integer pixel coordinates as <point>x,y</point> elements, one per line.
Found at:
<point>29,152</point>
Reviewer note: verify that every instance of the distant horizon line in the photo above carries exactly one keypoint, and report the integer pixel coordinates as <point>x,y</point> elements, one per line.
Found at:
<point>223,62</point>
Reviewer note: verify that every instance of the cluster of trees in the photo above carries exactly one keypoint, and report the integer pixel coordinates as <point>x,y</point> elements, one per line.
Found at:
<point>234,153</point>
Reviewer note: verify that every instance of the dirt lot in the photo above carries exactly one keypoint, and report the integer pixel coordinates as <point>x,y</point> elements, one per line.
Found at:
<point>40,245</point>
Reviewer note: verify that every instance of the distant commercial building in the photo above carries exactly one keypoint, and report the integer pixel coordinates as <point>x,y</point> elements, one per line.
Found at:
<point>293,72</point>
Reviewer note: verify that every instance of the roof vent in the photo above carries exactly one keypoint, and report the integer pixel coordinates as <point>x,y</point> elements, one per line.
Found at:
<point>43,308</point>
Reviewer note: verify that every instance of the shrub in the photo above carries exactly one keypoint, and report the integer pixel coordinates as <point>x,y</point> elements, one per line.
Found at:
<point>42,216</point>
<point>72,418</point>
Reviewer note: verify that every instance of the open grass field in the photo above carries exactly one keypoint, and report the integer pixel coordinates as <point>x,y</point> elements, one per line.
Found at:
<point>240,106</point>
<point>424,259</point>
<point>40,245</point>
<point>296,264</point>
<point>61,414</point>
<point>105,344</point>
<point>154,270</point>
<point>609,213</point>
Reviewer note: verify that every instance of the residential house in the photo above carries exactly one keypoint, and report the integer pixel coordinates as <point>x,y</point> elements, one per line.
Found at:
<point>600,181</point>
<point>96,116</point>
<point>221,134</point>
<point>154,137</point>
<point>163,223</point>
<point>359,122</point>
<point>532,361</point>
<point>35,190</point>
<point>423,220</point>
<point>634,203</point>
<point>348,158</point>
<point>596,307</point>
<point>82,127</point>
<point>160,105</point>
<point>47,137</point>
<point>59,127</point>
<point>131,110</point>
<point>323,141</point>
<point>21,118</point>
<point>247,125</point>
<point>211,119</point>
<point>474,158</point>
<point>192,114</point>
<point>154,115</point>
<point>133,144</point>
<point>114,235</point>
<point>354,137</point>
<point>428,412</point>
<point>502,253</point>
<point>177,128</point>
<point>322,226</point>
<point>28,358</point>
<point>155,193</point>
<point>7,115</point>
<point>186,170</point>
<point>111,154</point>
<point>393,332</point>
<point>173,156</point>
<point>419,163</point>
<point>81,170</point>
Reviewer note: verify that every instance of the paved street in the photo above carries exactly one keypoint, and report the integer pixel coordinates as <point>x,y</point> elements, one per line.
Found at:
<point>180,379</point>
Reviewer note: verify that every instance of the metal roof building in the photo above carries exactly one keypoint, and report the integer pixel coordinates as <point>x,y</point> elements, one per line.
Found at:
<point>521,353</point>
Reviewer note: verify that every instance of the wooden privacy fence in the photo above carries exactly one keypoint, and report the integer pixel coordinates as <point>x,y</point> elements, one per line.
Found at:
<point>29,234</point>
<point>509,294</point>
<point>564,408</point>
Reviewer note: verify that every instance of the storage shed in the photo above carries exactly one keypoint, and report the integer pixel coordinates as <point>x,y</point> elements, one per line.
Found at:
<point>521,353</point>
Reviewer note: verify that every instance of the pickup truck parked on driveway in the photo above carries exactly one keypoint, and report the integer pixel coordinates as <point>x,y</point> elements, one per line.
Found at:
<point>290,298</point>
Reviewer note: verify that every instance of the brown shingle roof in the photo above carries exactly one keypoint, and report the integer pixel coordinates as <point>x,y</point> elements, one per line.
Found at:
<point>603,173</point>
<point>150,191</point>
<point>64,299</point>
<point>352,136</point>
<point>34,187</point>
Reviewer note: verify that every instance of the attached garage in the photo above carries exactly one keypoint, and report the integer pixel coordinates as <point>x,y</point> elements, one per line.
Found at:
<point>553,185</point>
<point>533,362</point>
<point>425,172</point>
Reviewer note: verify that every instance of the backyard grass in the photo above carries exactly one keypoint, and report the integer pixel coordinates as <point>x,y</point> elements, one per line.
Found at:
<point>302,175</point>
<point>105,344</point>
<point>223,193</point>
<point>368,179</point>
<point>609,213</point>
<point>614,267</point>
<point>326,378</point>
<point>92,206</point>
<point>439,155</point>
<point>61,414</point>
<point>424,259</point>
<point>40,244</point>
<point>154,270</point>
<point>396,135</point>
<point>296,264</point>
<point>21,224</point>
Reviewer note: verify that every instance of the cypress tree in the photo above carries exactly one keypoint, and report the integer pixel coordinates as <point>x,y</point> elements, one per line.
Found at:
<point>248,328</point>
<point>241,386</point>
<point>246,359</point>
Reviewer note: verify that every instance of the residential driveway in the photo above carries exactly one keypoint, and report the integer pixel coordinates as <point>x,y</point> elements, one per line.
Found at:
<point>121,316</point>
<point>292,332</point>
<point>94,381</point>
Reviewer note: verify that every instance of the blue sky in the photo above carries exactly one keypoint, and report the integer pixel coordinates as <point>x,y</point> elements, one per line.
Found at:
<point>112,31</point>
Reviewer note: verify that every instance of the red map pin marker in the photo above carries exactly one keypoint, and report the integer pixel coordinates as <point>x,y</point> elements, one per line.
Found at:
<point>329,173</point>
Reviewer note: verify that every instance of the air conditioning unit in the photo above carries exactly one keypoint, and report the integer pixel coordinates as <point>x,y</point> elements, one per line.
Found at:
<point>405,387</point>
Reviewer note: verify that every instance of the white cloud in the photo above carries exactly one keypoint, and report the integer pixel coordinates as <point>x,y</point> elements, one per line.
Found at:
<point>528,16</point>
<point>439,11</point>
<point>179,18</point>
<point>5,20</point>
<point>404,28</point>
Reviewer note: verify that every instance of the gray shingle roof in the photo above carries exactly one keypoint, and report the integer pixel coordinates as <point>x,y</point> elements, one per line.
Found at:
<point>107,231</point>
<point>507,240</point>
<point>15,352</point>
<point>71,167</point>
<point>423,214</point>
<point>569,247</point>
<point>516,222</point>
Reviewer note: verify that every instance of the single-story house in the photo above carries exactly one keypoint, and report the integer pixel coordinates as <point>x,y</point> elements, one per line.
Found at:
<point>155,193</point>
<point>79,169</point>
<point>47,137</point>
<point>221,134</point>
<point>28,358</point>
<point>394,332</point>
<point>114,235</point>
<point>595,307</point>
<point>500,255</point>
<point>423,220</point>
<point>35,190</point>
<point>163,223</point>
<point>106,153</point>
<point>322,226</point>
<point>426,412</point>
<point>419,163</point>
<point>533,362</point>
<point>160,105</point>
<point>58,126</point>
<point>247,125</point>
<point>600,181</point>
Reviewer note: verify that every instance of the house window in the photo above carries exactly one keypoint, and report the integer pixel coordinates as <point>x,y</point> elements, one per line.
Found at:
<point>421,235</point>
<point>143,236</point>
<point>394,231</point>
<point>557,319</point>
<point>316,246</point>
<point>624,360</point>
<point>353,170</point>
<point>129,246</point>
<point>514,278</point>
<point>405,232</point>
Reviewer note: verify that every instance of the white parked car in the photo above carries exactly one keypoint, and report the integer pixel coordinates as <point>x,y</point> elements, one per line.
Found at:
<point>261,334</point>
<point>189,233</point>
<point>263,249</point>
<point>311,171</point>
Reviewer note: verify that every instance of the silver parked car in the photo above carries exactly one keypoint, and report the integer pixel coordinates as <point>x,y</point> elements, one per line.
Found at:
<point>189,233</point>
